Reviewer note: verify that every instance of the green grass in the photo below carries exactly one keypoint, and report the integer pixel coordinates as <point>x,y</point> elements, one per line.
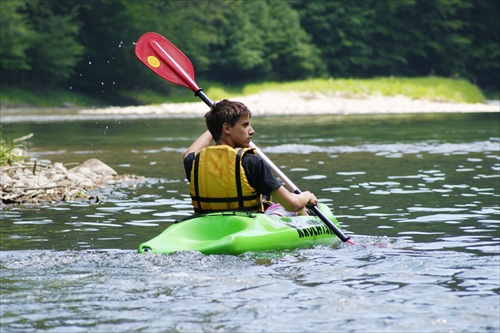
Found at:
<point>428,88</point>
<point>18,97</point>
<point>12,151</point>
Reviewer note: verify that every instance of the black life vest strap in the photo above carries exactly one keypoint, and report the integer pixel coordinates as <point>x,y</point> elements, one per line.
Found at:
<point>238,179</point>
<point>196,185</point>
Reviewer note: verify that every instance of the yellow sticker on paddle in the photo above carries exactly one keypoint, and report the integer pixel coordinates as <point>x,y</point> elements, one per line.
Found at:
<point>153,62</point>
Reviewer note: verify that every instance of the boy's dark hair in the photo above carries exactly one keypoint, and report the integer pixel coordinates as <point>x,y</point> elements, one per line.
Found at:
<point>225,111</point>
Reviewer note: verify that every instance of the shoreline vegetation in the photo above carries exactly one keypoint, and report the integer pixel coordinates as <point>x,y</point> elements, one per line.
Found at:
<point>433,89</point>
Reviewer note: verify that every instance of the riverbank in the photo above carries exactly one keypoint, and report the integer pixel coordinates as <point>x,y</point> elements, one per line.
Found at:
<point>323,95</point>
<point>303,103</point>
<point>268,103</point>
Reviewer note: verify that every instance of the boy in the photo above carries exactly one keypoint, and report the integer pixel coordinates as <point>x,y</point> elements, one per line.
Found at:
<point>229,175</point>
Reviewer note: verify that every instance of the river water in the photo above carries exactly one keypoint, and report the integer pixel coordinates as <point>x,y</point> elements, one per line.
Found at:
<point>418,194</point>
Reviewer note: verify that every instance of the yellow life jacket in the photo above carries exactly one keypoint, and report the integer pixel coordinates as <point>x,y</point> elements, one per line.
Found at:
<point>218,181</point>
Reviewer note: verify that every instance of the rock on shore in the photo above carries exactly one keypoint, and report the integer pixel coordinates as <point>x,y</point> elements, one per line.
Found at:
<point>33,182</point>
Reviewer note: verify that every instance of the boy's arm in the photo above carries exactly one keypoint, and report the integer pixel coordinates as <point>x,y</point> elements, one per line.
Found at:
<point>293,202</point>
<point>203,141</point>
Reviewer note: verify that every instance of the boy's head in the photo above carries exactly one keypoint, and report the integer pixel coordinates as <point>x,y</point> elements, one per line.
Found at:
<point>223,112</point>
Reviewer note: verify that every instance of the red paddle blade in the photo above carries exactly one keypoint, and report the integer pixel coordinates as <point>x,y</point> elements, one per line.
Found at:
<point>166,60</point>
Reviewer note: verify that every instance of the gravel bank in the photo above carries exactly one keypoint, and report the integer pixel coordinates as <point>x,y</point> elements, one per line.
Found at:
<point>287,103</point>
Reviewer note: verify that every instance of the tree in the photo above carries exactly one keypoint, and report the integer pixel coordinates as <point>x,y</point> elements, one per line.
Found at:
<point>262,40</point>
<point>342,31</point>
<point>440,45</point>
<point>482,27</point>
<point>288,47</point>
<point>38,44</point>
<point>371,37</point>
<point>55,51</point>
<point>16,38</point>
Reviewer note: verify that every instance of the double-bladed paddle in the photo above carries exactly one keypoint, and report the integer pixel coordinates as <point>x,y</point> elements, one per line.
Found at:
<point>166,60</point>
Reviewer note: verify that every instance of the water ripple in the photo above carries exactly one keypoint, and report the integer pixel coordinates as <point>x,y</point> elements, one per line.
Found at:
<point>389,149</point>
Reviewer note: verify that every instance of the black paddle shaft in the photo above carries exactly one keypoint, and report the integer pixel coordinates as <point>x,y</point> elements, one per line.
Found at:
<point>329,223</point>
<point>204,97</point>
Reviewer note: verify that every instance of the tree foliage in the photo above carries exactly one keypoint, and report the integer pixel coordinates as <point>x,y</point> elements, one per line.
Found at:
<point>54,52</point>
<point>406,37</point>
<point>262,40</point>
<point>16,36</point>
<point>89,45</point>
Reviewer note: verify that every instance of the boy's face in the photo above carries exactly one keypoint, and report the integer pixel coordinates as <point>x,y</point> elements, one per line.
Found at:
<point>241,133</point>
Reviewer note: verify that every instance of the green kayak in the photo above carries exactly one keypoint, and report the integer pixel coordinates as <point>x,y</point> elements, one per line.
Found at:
<point>239,232</point>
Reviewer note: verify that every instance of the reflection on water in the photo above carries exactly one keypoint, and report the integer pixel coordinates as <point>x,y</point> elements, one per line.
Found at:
<point>418,194</point>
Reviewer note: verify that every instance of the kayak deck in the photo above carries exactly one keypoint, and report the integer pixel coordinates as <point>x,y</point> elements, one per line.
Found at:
<point>240,232</point>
